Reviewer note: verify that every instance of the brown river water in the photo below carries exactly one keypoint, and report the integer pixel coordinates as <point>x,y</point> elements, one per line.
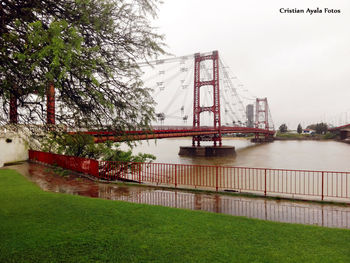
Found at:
<point>296,155</point>
<point>311,157</point>
<point>310,213</point>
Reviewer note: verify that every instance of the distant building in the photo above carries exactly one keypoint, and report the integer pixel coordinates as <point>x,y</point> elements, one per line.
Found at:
<point>250,115</point>
<point>308,131</point>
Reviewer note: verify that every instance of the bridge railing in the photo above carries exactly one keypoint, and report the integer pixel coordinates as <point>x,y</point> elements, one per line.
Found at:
<point>301,184</point>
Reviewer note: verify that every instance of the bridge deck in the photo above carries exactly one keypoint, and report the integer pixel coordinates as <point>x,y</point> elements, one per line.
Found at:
<point>102,136</point>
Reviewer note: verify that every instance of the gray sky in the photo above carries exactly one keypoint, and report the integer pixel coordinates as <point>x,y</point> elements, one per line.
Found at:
<point>300,62</point>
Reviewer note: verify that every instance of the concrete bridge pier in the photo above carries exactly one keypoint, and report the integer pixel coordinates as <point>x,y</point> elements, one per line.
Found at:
<point>207,151</point>
<point>262,140</point>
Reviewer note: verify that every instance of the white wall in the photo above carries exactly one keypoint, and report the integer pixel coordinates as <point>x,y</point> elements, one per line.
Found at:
<point>14,151</point>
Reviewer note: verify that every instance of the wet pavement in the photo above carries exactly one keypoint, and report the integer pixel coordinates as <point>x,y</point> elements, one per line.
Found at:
<point>309,213</point>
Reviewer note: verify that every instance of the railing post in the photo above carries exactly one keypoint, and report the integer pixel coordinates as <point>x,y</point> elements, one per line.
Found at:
<point>94,168</point>
<point>98,169</point>
<point>265,184</point>
<point>322,191</point>
<point>217,178</point>
<point>140,173</point>
<point>125,167</point>
<point>175,175</point>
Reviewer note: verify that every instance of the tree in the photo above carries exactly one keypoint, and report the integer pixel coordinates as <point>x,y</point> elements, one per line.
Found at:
<point>299,129</point>
<point>283,128</point>
<point>82,145</point>
<point>311,126</point>
<point>320,128</point>
<point>88,49</point>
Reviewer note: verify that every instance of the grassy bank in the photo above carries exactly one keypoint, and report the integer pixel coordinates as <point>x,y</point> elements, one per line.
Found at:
<point>38,226</point>
<point>297,136</point>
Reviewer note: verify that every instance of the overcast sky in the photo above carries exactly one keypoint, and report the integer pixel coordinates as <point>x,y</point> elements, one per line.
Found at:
<point>299,61</point>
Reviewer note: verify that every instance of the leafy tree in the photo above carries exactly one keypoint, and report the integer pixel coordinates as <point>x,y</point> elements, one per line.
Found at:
<point>283,128</point>
<point>320,128</point>
<point>299,129</point>
<point>311,126</point>
<point>83,145</point>
<point>88,49</point>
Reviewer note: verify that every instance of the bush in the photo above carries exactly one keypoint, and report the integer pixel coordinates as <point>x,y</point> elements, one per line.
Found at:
<point>83,145</point>
<point>283,128</point>
<point>329,136</point>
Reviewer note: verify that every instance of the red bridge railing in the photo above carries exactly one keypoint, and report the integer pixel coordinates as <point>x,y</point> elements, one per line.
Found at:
<point>302,184</point>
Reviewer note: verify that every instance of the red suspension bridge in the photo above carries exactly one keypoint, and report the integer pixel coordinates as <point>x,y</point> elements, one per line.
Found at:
<point>216,105</point>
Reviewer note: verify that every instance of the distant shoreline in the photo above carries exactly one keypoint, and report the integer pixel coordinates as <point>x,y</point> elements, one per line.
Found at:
<point>300,139</point>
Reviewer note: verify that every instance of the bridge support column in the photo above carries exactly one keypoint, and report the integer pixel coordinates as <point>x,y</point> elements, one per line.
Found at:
<point>215,108</point>
<point>262,120</point>
<point>217,149</point>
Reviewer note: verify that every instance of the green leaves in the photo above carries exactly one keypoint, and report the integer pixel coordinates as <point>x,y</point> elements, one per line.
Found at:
<point>88,49</point>
<point>83,145</point>
<point>283,128</point>
<point>59,45</point>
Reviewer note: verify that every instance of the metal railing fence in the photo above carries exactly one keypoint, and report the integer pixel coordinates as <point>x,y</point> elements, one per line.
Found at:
<point>303,184</point>
<point>273,182</point>
<point>77,164</point>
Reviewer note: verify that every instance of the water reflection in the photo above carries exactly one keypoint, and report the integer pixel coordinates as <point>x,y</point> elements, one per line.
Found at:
<point>273,210</point>
<point>281,211</point>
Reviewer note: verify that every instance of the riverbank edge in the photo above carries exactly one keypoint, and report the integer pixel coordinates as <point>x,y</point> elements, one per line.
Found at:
<point>309,139</point>
<point>41,226</point>
<point>58,170</point>
<point>281,138</point>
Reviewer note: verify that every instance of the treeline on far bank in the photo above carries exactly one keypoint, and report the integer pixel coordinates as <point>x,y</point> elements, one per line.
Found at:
<point>318,131</point>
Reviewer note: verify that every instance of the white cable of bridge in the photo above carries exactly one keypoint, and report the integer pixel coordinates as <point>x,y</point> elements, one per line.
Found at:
<point>184,88</point>
<point>223,109</point>
<point>249,96</point>
<point>181,90</point>
<point>230,87</point>
<point>173,97</point>
<point>161,85</point>
<point>229,105</point>
<point>169,60</point>
<point>156,73</point>
<point>173,87</point>
<point>270,120</point>
<point>164,61</point>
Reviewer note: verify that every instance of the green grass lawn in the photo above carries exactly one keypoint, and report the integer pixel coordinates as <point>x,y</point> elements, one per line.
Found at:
<point>38,226</point>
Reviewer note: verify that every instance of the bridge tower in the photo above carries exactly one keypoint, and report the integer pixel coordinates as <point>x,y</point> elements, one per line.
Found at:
<point>215,108</point>
<point>261,116</point>
<point>262,113</point>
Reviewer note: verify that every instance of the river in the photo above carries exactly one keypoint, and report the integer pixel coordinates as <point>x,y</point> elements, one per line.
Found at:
<point>309,155</point>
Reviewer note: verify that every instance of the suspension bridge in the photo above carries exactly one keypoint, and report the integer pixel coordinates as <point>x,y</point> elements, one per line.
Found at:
<point>218,103</point>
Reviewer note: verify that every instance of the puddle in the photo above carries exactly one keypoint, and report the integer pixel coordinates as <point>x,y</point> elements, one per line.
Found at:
<point>274,210</point>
